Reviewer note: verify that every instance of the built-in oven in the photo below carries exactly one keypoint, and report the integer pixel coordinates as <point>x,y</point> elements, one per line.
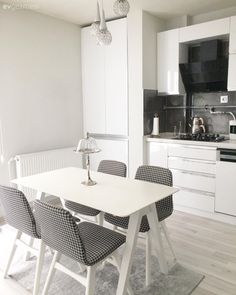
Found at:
<point>226,182</point>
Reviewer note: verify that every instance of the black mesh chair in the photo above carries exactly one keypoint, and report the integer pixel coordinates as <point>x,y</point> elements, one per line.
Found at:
<point>86,243</point>
<point>164,209</point>
<point>107,167</point>
<point>18,214</point>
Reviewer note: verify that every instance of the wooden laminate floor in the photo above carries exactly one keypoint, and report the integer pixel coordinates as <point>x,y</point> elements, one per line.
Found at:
<point>208,247</point>
<point>203,245</point>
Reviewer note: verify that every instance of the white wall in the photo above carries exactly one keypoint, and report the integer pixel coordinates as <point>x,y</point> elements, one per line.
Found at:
<point>151,26</point>
<point>213,15</point>
<point>40,84</point>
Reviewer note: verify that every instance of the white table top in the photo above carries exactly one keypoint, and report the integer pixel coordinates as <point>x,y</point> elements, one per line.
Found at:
<point>112,194</point>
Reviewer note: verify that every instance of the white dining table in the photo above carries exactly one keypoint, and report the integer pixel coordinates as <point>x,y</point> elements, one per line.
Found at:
<point>112,194</point>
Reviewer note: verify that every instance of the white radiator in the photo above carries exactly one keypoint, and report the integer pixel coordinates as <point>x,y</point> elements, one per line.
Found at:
<point>29,164</point>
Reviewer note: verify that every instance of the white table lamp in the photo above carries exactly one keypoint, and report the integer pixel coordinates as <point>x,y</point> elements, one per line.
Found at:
<point>88,146</point>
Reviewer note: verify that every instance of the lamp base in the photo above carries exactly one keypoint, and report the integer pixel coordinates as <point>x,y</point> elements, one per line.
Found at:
<point>89,182</point>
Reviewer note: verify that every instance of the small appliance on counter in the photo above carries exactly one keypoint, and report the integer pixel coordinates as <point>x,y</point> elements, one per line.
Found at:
<point>232,129</point>
<point>155,129</point>
<point>198,125</point>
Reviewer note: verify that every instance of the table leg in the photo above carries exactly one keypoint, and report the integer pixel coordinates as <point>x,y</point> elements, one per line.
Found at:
<point>156,236</point>
<point>130,245</point>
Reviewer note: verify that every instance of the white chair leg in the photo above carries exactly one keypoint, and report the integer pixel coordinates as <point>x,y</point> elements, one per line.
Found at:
<point>39,266</point>
<point>28,253</point>
<point>51,272</point>
<point>148,259</point>
<point>82,268</point>
<point>91,280</point>
<point>166,233</point>
<point>100,218</point>
<point>12,253</point>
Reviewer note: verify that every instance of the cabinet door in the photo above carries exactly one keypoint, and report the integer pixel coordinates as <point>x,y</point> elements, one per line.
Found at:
<point>232,40</point>
<point>157,154</point>
<point>225,188</point>
<point>168,62</point>
<point>232,73</point>
<point>205,30</point>
<point>116,79</point>
<point>110,150</point>
<point>93,79</point>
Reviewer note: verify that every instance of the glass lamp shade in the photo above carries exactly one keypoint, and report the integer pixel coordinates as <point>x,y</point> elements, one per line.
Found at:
<point>94,29</point>
<point>87,145</point>
<point>121,7</point>
<point>104,37</point>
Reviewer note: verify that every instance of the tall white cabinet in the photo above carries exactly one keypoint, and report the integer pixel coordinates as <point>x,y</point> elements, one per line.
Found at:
<point>105,92</point>
<point>104,81</point>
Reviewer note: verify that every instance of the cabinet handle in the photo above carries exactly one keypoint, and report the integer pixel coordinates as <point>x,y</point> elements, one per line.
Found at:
<point>195,191</point>
<point>196,161</point>
<point>197,174</point>
<point>198,147</point>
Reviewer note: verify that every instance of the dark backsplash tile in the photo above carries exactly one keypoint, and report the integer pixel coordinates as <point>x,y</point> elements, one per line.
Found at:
<point>215,123</point>
<point>172,115</point>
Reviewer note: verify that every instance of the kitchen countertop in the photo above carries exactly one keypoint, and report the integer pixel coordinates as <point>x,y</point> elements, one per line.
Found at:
<point>168,138</point>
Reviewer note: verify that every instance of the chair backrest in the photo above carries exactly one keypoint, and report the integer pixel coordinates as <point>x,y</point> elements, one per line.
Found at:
<point>60,231</point>
<point>162,176</point>
<point>17,211</point>
<point>113,168</point>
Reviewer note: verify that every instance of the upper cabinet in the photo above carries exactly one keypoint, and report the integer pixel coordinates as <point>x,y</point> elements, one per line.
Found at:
<point>231,74</point>
<point>232,39</point>
<point>104,81</point>
<point>205,30</point>
<point>169,54</point>
<point>116,79</point>
<point>93,79</point>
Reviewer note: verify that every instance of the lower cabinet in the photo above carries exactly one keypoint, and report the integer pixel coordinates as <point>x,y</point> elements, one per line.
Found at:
<point>193,169</point>
<point>110,150</point>
<point>193,199</point>
<point>157,154</point>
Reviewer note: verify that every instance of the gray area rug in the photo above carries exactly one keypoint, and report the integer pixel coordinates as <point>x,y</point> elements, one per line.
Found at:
<point>179,281</point>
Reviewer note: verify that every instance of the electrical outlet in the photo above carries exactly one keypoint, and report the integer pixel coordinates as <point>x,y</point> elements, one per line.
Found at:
<point>224,99</point>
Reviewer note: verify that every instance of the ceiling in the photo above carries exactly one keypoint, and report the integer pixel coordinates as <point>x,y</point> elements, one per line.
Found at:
<point>83,11</point>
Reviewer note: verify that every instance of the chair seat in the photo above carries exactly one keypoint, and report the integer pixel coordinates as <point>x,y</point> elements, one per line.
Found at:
<point>81,209</point>
<point>99,242</point>
<point>123,222</point>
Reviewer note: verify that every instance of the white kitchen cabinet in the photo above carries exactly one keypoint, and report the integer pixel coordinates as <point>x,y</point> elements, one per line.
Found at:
<point>205,30</point>
<point>93,79</point>
<point>192,152</point>
<point>104,81</point>
<point>169,54</point>
<point>191,180</point>
<point>116,79</point>
<point>232,37</point>
<point>110,150</point>
<point>232,73</point>
<point>225,184</point>
<point>157,154</point>
<point>195,200</point>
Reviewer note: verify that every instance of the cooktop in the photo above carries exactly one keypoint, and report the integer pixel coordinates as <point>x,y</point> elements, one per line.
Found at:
<point>201,137</point>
